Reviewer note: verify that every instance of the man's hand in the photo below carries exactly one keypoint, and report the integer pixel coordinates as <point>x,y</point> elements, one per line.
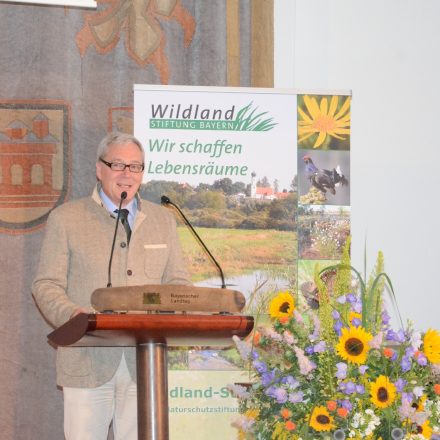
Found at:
<point>78,311</point>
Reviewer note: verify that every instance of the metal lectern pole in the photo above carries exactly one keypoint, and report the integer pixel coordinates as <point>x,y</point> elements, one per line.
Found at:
<point>152,391</point>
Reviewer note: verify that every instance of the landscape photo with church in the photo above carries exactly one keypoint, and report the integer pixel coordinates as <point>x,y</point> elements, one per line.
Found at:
<point>250,229</point>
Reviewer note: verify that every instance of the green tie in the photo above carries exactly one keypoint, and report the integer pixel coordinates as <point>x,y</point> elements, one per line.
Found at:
<point>124,220</point>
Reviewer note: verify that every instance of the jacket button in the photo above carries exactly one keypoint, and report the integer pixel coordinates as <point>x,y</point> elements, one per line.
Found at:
<point>129,272</point>
<point>123,244</point>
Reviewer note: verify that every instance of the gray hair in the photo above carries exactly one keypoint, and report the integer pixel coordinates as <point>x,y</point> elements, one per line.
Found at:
<point>116,138</point>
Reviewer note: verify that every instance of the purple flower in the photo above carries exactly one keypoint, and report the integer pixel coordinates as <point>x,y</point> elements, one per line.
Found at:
<point>347,387</point>
<point>363,369</point>
<point>351,298</point>
<point>421,360</point>
<point>385,318</point>
<point>341,299</point>
<point>400,384</point>
<point>319,347</point>
<point>409,352</point>
<point>360,389</point>
<point>338,326</point>
<point>291,382</point>
<point>260,366</point>
<point>270,391</point>
<point>407,397</point>
<point>309,350</point>
<point>356,322</point>
<point>397,337</point>
<point>342,370</point>
<point>357,307</point>
<point>345,403</point>
<point>296,397</point>
<point>336,314</point>
<point>405,364</point>
<point>281,395</point>
<point>350,388</point>
<point>267,378</point>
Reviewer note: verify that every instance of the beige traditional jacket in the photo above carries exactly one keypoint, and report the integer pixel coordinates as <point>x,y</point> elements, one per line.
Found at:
<point>74,262</point>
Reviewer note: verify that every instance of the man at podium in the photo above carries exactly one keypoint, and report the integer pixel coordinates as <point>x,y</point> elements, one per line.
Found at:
<point>99,382</point>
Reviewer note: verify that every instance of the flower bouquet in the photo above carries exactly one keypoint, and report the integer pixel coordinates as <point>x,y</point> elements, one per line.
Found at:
<point>331,366</point>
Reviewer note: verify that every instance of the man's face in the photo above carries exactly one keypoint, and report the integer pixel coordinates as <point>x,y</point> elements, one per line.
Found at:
<point>115,182</point>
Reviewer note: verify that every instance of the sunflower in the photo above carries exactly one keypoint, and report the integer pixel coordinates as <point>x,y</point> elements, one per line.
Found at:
<point>353,344</point>
<point>383,392</point>
<point>324,120</point>
<point>431,346</point>
<point>321,420</point>
<point>282,306</point>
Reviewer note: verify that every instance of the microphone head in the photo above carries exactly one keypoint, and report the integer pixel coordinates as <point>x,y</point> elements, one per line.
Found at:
<point>165,200</point>
<point>123,195</point>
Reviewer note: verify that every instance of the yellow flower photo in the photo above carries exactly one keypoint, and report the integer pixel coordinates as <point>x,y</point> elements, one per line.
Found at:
<point>353,345</point>
<point>320,121</point>
<point>383,392</point>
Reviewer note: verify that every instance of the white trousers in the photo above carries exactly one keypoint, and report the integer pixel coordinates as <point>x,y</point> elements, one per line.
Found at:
<point>88,412</point>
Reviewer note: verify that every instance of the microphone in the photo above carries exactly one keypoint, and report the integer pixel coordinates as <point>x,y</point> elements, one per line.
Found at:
<point>166,201</point>
<point>123,197</point>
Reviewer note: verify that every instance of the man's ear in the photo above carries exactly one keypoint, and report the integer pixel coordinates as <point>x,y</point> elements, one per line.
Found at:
<point>98,170</point>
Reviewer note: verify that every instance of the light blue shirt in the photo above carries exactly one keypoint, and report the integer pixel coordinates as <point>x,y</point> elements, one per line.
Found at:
<point>111,207</point>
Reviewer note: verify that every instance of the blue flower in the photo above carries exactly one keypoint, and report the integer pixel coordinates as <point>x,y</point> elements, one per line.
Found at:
<point>268,377</point>
<point>351,298</point>
<point>360,389</point>
<point>281,395</point>
<point>405,364</point>
<point>421,360</point>
<point>386,318</point>
<point>291,382</point>
<point>260,366</point>
<point>309,350</point>
<point>341,299</point>
<point>345,403</point>
<point>319,347</point>
<point>363,369</point>
<point>356,322</point>
<point>296,397</point>
<point>400,384</point>
<point>342,370</point>
<point>338,327</point>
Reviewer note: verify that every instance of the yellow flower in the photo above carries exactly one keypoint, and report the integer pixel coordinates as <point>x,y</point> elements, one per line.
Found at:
<point>323,119</point>
<point>282,306</point>
<point>425,429</point>
<point>321,420</point>
<point>353,345</point>
<point>252,413</point>
<point>383,392</point>
<point>431,346</point>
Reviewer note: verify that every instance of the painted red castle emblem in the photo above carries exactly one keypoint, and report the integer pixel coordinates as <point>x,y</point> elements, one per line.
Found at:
<point>33,178</point>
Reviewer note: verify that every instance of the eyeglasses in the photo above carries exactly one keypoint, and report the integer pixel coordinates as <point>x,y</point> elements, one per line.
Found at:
<point>117,166</point>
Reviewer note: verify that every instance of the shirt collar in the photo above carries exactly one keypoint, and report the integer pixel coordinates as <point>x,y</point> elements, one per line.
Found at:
<point>111,207</point>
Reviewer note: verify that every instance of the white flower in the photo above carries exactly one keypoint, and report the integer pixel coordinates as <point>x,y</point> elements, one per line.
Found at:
<point>418,391</point>
<point>416,340</point>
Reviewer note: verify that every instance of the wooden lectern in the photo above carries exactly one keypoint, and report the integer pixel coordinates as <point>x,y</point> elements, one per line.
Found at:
<point>151,334</point>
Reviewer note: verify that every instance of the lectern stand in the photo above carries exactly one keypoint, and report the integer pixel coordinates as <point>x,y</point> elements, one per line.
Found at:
<point>151,334</point>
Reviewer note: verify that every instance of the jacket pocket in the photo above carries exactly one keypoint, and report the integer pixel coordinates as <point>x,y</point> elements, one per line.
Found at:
<point>74,361</point>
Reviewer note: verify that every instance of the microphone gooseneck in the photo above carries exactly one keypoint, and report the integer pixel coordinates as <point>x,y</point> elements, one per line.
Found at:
<point>109,277</point>
<point>166,201</point>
